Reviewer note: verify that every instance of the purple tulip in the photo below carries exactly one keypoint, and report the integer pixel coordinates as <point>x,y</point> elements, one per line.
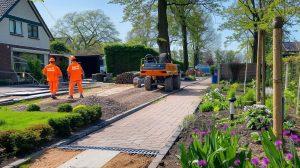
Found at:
<point>278,144</point>
<point>196,130</point>
<point>287,133</point>
<point>265,161</point>
<point>289,156</point>
<point>204,133</point>
<point>295,138</point>
<point>255,161</point>
<point>202,163</point>
<point>237,162</point>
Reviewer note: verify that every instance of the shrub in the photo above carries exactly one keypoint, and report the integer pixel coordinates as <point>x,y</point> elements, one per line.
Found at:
<point>61,126</point>
<point>89,114</point>
<point>231,93</point>
<point>7,141</point>
<point>76,121</point>
<point>97,110</point>
<point>33,107</point>
<point>258,117</point>
<point>35,68</point>
<point>26,141</point>
<point>65,108</point>
<point>125,58</point>
<point>206,107</point>
<point>2,122</point>
<point>44,131</point>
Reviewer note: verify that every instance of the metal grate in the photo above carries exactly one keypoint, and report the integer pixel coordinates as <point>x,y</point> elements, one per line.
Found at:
<point>125,150</point>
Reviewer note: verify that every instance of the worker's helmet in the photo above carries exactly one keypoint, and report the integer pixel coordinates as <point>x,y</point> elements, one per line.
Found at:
<point>52,60</point>
<point>73,58</point>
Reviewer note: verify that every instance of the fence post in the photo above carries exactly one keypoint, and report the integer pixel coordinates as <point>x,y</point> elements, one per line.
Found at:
<point>277,77</point>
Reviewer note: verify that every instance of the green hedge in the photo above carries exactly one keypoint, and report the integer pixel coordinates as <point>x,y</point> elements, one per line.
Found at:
<point>33,137</point>
<point>124,58</point>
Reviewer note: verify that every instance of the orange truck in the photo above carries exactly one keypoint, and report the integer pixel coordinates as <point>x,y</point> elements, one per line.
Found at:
<point>157,70</point>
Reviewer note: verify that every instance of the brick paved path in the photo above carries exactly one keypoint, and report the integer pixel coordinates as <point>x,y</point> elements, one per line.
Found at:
<point>151,127</point>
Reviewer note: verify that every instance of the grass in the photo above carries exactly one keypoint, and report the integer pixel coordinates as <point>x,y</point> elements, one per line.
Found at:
<point>22,120</point>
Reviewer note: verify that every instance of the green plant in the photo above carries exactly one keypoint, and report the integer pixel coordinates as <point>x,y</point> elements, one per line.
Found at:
<point>290,124</point>
<point>214,149</point>
<point>257,117</point>
<point>255,137</point>
<point>65,108</point>
<point>206,107</point>
<point>231,93</point>
<point>125,58</point>
<point>44,131</point>
<point>246,99</point>
<point>97,110</point>
<point>7,141</point>
<point>274,151</point>
<point>33,107</point>
<point>35,68</point>
<point>2,122</point>
<point>76,121</point>
<point>26,141</point>
<point>61,126</point>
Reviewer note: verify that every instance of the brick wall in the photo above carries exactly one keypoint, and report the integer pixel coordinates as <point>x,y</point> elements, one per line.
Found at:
<point>5,58</point>
<point>226,73</point>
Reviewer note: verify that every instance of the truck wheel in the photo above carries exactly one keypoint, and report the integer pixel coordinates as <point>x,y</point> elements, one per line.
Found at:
<point>176,82</point>
<point>168,84</point>
<point>148,83</point>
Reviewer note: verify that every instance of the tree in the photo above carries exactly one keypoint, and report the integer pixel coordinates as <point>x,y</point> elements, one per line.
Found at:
<point>58,47</point>
<point>86,29</point>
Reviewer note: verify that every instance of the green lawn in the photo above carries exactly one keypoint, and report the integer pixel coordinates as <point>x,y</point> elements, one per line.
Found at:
<point>22,120</point>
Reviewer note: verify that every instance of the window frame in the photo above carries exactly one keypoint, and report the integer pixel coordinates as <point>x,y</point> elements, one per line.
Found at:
<point>31,33</point>
<point>14,33</point>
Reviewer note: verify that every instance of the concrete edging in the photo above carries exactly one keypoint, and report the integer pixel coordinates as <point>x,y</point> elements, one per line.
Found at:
<point>94,128</point>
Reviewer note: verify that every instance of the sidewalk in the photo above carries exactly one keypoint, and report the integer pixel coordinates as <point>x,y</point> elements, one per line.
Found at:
<point>148,129</point>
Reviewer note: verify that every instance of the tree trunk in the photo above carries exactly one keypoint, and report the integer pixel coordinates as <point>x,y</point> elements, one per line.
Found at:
<point>263,69</point>
<point>258,67</point>
<point>184,46</point>
<point>254,47</point>
<point>163,40</point>
<point>277,78</point>
<point>286,76</point>
<point>298,97</point>
<point>245,79</point>
<point>196,55</point>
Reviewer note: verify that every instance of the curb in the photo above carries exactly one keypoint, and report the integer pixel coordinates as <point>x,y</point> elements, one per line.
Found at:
<point>97,127</point>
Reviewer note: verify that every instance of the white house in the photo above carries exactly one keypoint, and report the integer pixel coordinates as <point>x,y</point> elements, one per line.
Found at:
<point>23,35</point>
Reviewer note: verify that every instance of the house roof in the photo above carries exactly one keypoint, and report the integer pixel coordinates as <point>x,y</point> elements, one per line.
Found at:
<point>291,46</point>
<point>7,5</point>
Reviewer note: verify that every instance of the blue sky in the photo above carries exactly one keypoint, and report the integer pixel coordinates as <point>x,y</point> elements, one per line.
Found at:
<point>52,10</point>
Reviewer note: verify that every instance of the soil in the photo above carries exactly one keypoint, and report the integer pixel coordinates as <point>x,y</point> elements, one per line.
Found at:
<point>53,158</point>
<point>204,121</point>
<point>125,160</point>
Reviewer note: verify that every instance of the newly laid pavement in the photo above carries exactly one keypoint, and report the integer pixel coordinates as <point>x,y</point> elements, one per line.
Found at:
<point>151,127</point>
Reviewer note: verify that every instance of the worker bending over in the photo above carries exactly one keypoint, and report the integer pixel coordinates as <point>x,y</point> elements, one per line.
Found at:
<point>52,72</point>
<point>75,73</point>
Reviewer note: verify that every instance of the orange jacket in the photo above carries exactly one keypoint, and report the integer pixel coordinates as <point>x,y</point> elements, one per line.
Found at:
<point>75,71</point>
<point>52,72</point>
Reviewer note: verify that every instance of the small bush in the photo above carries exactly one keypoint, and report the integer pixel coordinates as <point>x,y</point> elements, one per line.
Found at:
<point>44,131</point>
<point>26,141</point>
<point>231,93</point>
<point>97,110</point>
<point>2,122</point>
<point>78,107</point>
<point>206,107</point>
<point>76,121</point>
<point>65,108</point>
<point>61,126</point>
<point>89,114</point>
<point>33,107</point>
<point>7,141</point>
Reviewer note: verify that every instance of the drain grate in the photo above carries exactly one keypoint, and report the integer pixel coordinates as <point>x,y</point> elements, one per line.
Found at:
<point>126,150</point>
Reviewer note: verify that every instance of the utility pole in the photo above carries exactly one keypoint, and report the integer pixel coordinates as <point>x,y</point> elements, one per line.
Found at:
<point>277,77</point>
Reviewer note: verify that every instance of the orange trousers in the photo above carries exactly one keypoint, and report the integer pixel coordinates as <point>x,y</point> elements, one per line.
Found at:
<point>53,86</point>
<point>72,85</point>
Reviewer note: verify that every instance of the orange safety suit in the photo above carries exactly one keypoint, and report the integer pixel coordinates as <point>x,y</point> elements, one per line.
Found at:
<point>52,72</point>
<point>75,72</point>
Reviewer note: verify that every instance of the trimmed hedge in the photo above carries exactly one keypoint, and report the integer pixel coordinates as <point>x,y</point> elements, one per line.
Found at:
<point>124,58</point>
<point>33,107</point>
<point>65,108</point>
<point>33,137</point>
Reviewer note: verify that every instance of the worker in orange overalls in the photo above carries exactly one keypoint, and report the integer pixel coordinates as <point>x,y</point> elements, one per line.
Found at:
<point>52,72</point>
<point>75,73</point>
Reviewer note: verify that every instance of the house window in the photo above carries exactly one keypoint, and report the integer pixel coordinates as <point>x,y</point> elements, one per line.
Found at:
<point>33,31</point>
<point>15,27</point>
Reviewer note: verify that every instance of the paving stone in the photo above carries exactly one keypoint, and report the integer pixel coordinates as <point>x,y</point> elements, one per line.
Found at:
<point>151,127</point>
<point>90,159</point>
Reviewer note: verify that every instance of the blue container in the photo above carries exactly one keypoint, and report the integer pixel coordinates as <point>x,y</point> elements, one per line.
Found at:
<point>214,78</point>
